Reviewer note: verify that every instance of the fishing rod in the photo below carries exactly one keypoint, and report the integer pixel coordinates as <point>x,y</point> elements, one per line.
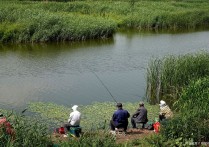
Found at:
<point>103,84</point>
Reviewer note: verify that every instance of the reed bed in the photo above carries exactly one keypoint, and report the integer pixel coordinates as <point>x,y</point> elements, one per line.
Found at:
<point>29,21</point>
<point>166,77</point>
<point>20,23</point>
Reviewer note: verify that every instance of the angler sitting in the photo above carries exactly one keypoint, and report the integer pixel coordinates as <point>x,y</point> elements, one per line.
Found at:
<point>165,111</point>
<point>140,116</point>
<point>74,119</point>
<point>119,118</point>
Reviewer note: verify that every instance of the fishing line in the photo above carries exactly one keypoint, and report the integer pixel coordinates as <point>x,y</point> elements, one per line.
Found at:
<point>103,85</point>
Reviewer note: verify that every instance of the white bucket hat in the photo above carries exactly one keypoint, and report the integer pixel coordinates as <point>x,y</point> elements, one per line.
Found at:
<point>162,103</point>
<point>75,107</point>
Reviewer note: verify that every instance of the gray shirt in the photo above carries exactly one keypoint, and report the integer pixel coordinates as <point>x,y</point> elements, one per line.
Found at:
<point>141,115</point>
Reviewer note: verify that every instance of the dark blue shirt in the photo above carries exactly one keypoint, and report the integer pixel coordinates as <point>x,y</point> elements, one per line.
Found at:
<point>120,116</point>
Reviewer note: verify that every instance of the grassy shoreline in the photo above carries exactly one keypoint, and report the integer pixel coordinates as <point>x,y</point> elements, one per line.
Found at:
<point>94,122</point>
<point>29,21</point>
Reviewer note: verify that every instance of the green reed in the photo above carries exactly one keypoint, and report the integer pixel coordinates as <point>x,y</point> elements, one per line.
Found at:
<point>28,21</point>
<point>192,122</point>
<point>166,77</point>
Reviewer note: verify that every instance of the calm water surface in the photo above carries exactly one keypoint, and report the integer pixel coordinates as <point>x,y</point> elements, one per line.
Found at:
<point>63,73</point>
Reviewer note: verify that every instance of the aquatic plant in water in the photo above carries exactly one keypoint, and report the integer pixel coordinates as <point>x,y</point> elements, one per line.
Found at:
<point>94,116</point>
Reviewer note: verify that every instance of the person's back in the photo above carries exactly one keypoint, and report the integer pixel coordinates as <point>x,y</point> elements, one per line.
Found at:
<point>165,111</point>
<point>75,117</point>
<point>119,118</point>
<point>73,120</point>
<point>142,117</point>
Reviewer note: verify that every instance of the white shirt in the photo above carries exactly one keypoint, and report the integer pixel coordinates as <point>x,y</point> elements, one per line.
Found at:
<point>74,118</point>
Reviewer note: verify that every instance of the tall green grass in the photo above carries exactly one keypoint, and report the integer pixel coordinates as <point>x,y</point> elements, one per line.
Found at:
<point>192,123</point>
<point>27,132</point>
<point>29,21</point>
<point>166,77</point>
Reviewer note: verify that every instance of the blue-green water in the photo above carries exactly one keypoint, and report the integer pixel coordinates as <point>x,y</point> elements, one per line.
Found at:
<point>63,73</point>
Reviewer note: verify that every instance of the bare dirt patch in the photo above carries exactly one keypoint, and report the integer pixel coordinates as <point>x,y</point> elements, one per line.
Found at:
<point>133,134</point>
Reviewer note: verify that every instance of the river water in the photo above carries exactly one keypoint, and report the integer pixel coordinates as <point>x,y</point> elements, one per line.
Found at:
<point>66,73</point>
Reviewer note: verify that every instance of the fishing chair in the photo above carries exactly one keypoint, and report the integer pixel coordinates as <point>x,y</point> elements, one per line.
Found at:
<point>120,129</point>
<point>140,125</point>
<point>75,131</point>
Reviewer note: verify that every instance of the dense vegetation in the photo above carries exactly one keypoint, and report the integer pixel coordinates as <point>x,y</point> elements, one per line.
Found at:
<point>28,132</point>
<point>167,76</point>
<point>192,122</point>
<point>184,81</point>
<point>42,21</point>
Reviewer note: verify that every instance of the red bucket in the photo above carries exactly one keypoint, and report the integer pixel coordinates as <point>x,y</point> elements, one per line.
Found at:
<point>62,130</point>
<point>156,127</point>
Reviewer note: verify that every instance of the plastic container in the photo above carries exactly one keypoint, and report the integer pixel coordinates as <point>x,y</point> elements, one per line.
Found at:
<point>156,127</point>
<point>62,130</point>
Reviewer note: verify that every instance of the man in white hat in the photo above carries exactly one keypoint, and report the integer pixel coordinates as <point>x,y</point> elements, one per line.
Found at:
<point>74,118</point>
<point>165,111</point>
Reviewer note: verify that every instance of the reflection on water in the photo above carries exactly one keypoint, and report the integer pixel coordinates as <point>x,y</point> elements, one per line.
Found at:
<point>62,72</point>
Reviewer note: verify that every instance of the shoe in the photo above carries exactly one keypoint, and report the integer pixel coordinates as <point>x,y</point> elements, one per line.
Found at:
<point>113,132</point>
<point>65,135</point>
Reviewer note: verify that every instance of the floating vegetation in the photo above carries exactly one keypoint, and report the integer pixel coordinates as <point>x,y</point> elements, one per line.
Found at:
<point>94,116</point>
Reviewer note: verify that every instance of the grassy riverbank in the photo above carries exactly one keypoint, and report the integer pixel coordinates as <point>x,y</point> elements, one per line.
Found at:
<point>29,21</point>
<point>95,116</point>
<point>95,123</point>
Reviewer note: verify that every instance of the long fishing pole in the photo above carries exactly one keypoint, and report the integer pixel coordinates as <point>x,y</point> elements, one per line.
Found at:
<point>103,85</point>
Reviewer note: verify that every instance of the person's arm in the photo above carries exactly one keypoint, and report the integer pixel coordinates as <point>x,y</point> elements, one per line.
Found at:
<point>114,117</point>
<point>136,113</point>
<point>128,114</point>
<point>70,117</point>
